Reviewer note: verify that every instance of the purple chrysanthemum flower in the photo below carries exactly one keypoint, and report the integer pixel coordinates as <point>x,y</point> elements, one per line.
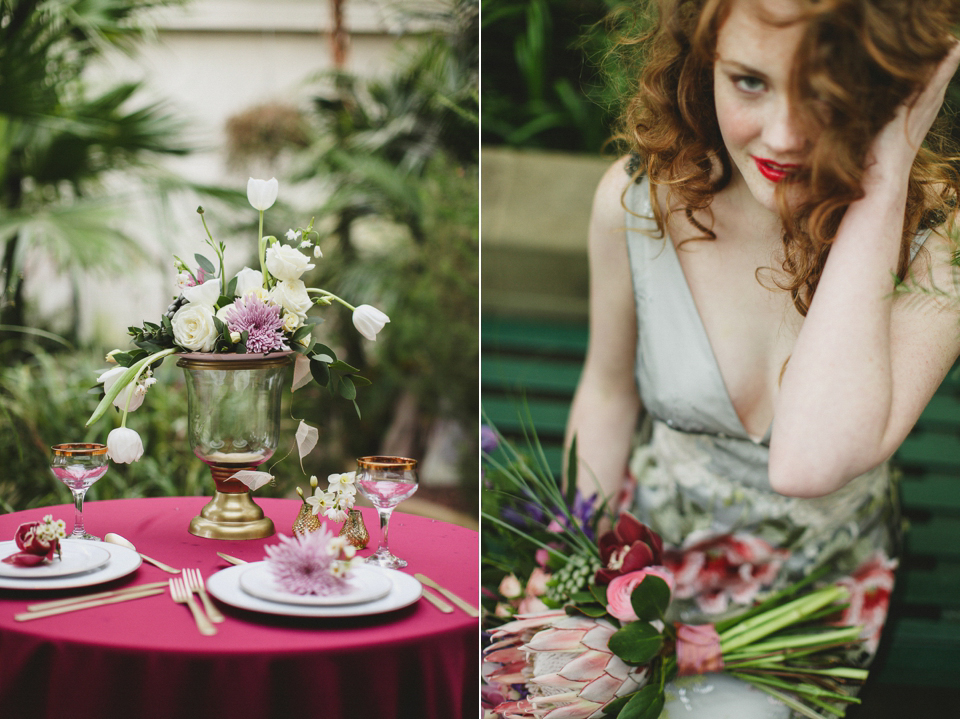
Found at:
<point>303,564</point>
<point>260,320</point>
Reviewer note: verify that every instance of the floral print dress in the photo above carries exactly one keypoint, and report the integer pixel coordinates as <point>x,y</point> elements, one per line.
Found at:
<point>701,482</point>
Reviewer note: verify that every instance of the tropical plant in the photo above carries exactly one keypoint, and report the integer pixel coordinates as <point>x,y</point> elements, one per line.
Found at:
<point>58,138</point>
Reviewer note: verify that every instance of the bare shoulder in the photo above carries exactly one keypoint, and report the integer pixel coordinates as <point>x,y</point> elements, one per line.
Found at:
<point>607,217</point>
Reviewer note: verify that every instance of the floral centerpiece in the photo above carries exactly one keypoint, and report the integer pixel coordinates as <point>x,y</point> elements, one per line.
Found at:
<point>592,634</point>
<point>257,311</point>
<point>316,563</point>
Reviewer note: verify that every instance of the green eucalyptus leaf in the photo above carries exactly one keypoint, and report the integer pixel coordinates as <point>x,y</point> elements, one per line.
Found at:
<point>324,350</point>
<point>599,593</point>
<point>205,264</point>
<point>124,359</point>
<point>314,321</point>
<point>342,366</point>
<point>324,358</point>
<point>651,598</point>
<point>167,325</point>
<point>357,407</point>
<point>636,643</point>
<point>360,381</point>
<point>347,389</point>
<point>301,333</point>
<point>645,704</point>
<point>232,287</point>
<point>321,373</point>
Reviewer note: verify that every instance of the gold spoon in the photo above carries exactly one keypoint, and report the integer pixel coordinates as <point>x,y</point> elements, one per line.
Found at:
<point>120,541</point>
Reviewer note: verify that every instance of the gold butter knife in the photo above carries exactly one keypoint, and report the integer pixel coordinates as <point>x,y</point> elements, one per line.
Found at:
<point>136,589</point>
<point>25,616</point>
<point>471,610</point>
<point>437,602</point>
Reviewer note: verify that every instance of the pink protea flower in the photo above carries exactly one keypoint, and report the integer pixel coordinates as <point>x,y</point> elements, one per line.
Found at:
<point>870,588</point>
<point>261,320</point>
<point>303,564</point>
<point>568,670</point>
<point>720,570</point>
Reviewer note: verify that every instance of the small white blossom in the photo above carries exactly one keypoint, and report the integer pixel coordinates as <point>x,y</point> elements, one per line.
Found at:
<point>317,252</point>
<point>293,235</point>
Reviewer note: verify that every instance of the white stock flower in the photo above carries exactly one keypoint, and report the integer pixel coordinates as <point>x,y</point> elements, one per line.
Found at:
<point>287,263</point>
<point>248,281</point>
<point>109,379</point>
<point>124,445</point>
<point>206,294</point>
<point>193,328</point>
<point>369,320</point>
<point>293,235</point>
<point>262,193</point>
<point>292,296</point>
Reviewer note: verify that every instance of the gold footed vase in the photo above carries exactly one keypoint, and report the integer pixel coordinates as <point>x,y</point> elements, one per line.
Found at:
<point>232,513</point>
<point>233,411</point>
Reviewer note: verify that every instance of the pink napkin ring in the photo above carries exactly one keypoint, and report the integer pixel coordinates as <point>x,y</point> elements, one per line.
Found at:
<point>698,649</point>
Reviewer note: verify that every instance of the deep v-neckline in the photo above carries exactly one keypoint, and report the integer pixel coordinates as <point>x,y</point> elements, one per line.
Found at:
<point>715,364</point>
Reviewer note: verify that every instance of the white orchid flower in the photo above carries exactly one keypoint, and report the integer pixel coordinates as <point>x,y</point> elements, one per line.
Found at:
<point>124,445</point>
<point>206,294</point>
<point>262,193</point>
<point>369,321</point>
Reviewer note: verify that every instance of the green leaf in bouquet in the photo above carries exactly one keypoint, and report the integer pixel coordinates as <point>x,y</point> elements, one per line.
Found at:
<point>636,643</point>
<point>312,321</point>
<point>242,344</point>
<point>124,359</point>
<point>205,264</point>
<point>167,325</point>
<point>360,381</point>
<point>572,463</point>
<point>320,371</point>
<point>347,389</point>
<point>645,704</point>
<point>322,351</point>
<point>599,592</point>
<point>342,366</point>
<point>613,709</point>
<point>582,598</point>
<point>651,598</point>
<point>594,611</point>
<point>151,326</point>
<point>301,333</point>
<point>224,300</point>
<point>232,287</point>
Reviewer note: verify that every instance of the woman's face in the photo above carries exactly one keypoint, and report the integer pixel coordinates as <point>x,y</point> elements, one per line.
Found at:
<point>750,79</point>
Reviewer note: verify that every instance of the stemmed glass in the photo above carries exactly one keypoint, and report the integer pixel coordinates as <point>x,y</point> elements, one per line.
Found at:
<point>78,465</point>
<point>386,481</point>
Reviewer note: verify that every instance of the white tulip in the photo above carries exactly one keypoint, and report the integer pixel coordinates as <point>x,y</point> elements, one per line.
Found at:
<point>287,263</point>
<point>262,193</point>
<point>248,281</point>
<point>369,320</point>
<point>193,328</point>
<point>124,445</point>
<point>206,294</point>
<point>109,378</point>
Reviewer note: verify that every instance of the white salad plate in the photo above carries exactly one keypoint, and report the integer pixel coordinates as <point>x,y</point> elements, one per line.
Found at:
<point>364,584</point>
<point>75,556</point>
<point>225,586</point>
<point>117,562</point>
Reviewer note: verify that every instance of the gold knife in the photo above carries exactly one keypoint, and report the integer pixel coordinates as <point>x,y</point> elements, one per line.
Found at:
<point>43,606</point>
<point>25,616</point>
<point>232,560</point>
<point>472,611</point>
<point>437,602</point>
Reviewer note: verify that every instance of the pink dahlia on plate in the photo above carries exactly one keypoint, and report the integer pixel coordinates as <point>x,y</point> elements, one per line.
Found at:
<point>564,663</point>
<point>308,563</point>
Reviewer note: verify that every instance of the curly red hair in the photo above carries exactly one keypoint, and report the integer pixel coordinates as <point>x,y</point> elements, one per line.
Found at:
<point>857,62</point>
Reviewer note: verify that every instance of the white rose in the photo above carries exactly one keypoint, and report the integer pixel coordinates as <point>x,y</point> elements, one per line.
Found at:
<point>193,328</point>
<point>206,294</point>
<point>287,263</point>
<point>124,445</point>
<point>369,320</point>
<point>109,378</point>
<point>291,322</point>
<point>292,296</point>
<point>248,281</point>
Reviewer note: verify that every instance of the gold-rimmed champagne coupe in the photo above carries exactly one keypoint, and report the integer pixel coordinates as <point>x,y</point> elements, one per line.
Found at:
<point>386,481</point>
<point>78,465</point>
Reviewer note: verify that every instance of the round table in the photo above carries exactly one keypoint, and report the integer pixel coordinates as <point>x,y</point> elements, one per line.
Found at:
<point>145,658</point>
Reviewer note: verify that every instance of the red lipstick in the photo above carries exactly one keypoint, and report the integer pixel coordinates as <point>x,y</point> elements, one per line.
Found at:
<point>773,171</point>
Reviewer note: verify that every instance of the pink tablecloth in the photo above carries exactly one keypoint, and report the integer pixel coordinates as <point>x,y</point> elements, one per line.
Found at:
<point>146,659</point>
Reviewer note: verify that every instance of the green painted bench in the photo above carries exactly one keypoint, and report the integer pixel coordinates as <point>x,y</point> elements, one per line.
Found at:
<point>539,363</point>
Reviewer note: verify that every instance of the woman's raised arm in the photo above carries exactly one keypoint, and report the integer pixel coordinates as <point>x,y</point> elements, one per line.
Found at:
<point>605,407</point>
<point>866,361</point>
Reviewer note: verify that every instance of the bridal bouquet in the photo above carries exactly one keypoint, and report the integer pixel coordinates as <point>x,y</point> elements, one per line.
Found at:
<point>595,638</point>
<point>258,311</point>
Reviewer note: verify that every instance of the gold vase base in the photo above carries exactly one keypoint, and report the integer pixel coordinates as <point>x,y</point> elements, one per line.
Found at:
<point>231,516</point>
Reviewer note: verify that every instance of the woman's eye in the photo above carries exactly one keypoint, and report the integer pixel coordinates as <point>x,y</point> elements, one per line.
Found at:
<point>750,84</point>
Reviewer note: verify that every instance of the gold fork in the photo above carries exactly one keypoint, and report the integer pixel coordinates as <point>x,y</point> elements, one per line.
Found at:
<point>182,595</point>
<point>195,583</point>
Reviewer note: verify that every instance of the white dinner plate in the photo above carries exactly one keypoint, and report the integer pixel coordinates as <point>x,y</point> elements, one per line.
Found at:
<point>121,562</point>
<point>225,586</point>
<point>364,584</point>
<point>76,555</point>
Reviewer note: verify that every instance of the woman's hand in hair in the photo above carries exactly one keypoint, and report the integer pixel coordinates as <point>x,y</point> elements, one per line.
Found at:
<point>897,144</point>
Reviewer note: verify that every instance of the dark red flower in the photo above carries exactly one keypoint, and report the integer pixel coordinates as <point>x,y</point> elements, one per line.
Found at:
<point>34,549</point>
<point>629,547</point>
